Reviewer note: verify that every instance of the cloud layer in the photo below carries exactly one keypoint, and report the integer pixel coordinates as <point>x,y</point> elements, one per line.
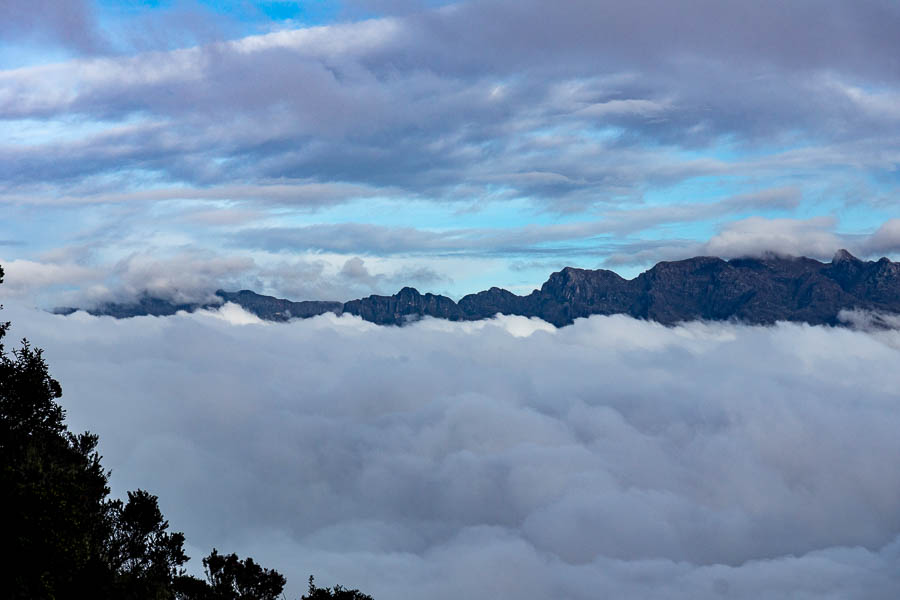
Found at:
<point>612,458</point>
<point>602,101</point>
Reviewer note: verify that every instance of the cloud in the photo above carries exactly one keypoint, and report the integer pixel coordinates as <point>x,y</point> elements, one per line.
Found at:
<point>232,314</point>
<point>295,194</point>
<point>351,260</point>
<point>69,277</point>
<point>184,277</point>
<point>342,277</point>
<point>882,324</point>
<point>640,219</point>
<point>25,277</point>
<point>64,278</point>
<point>382,239</point>
<point>355,270</point>
<point>613,458</point>
<point>602,103</point>
<point>793,237</point>
<point>71,24</point>
<point>885,240</point>
<point>817,237</point>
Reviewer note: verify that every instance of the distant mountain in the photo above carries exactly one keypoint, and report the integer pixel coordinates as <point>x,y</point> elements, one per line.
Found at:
<point>145,305</point>
<point>265,307</point>
<point>276,309</point>
<point>750,290</point>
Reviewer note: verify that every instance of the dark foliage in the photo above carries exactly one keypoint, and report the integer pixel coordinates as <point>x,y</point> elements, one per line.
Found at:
<point>336,593</point>
<point>140,551</point>
<point>228,578</point>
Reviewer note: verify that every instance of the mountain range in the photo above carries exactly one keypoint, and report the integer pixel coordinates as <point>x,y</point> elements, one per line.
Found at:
<point>750,290</point>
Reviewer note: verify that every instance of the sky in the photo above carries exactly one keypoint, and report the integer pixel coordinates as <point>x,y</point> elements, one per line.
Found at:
<point>613,458</point>
<point>330,150</point>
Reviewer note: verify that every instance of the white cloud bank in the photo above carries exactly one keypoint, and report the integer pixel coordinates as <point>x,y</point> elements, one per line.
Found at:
<point>611,459</point>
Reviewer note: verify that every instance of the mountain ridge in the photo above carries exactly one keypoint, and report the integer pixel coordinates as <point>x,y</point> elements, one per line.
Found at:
<point>752,290</point>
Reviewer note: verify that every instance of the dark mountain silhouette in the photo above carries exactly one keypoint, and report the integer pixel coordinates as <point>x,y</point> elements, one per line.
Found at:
<point>145,305</point>
<point>751,290</point>
<point>277,309</point>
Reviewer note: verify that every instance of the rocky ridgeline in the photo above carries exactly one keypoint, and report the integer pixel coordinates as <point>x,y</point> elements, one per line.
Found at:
<point>750,290</point>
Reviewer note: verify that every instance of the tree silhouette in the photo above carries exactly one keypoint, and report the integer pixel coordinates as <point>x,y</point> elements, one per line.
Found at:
<point>144,556</point>
<point>228,578</point>
<point>338,592</point>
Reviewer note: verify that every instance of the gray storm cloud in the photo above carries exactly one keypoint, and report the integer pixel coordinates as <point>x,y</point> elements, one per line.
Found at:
<point>70,24</point>
<point>505,458</point>
<point>494,93</point>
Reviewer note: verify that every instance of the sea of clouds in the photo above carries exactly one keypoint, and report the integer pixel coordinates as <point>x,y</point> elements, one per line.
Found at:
<point>614,458</point>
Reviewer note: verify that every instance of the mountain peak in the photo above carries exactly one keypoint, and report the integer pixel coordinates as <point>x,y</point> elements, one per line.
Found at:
<point>843,255</point>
